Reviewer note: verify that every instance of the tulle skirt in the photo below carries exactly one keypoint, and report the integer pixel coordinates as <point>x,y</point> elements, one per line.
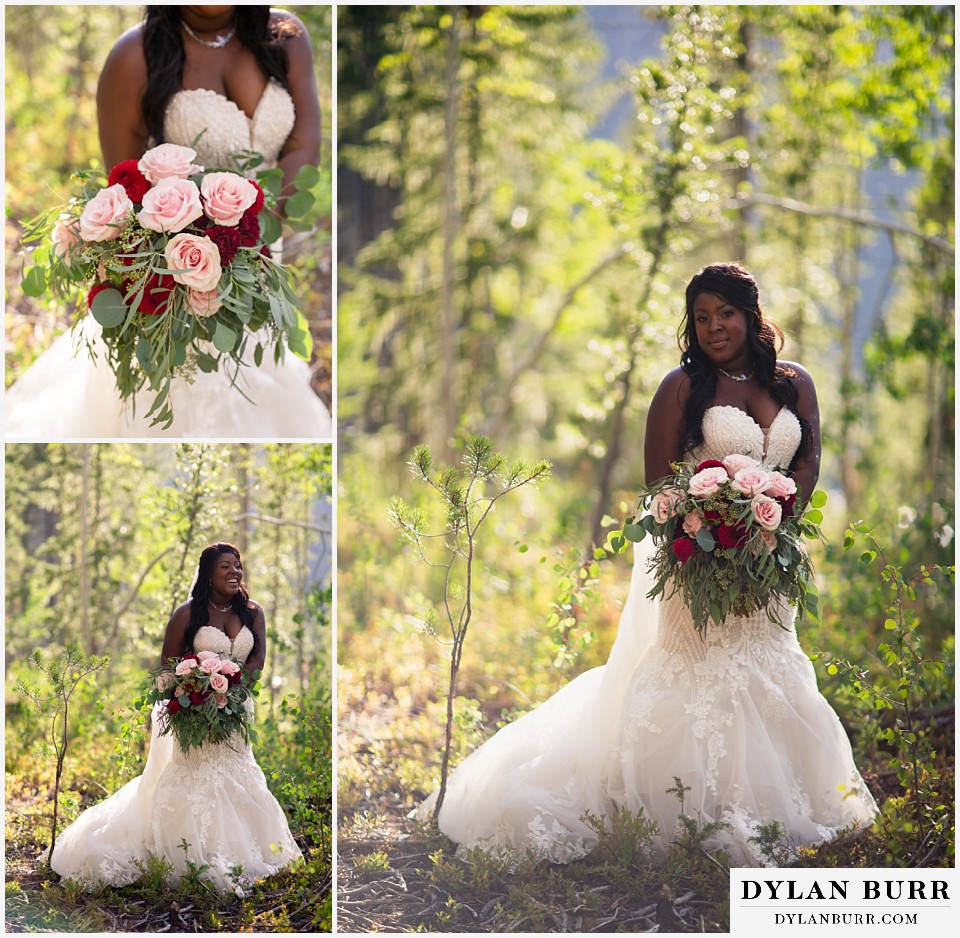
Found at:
<point>736,716</point>
<point>210,806</point>
<point>67,394</point>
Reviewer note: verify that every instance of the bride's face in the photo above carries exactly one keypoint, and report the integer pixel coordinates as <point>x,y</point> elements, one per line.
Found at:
<point>227,574</point>
<point>721,331</point>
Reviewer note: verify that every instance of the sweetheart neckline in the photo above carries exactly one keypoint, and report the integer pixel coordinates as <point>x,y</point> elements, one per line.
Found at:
<point>219,94</point>
<point>749,416</point>
<point>222,632</point>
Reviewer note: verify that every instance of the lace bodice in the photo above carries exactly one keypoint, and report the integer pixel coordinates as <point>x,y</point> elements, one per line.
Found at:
<point>209,638</point>
<point>226,130</point>
<point>728,429</point>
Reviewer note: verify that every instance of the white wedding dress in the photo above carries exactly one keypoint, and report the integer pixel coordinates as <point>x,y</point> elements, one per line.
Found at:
<point>736,715</point>
<point>215,798</point>
<point>66,394</point>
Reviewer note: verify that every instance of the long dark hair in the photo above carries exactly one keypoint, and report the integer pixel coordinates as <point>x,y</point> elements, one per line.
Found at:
<point>735,285</point>
<point>164,52</point>
<point>199,610</point>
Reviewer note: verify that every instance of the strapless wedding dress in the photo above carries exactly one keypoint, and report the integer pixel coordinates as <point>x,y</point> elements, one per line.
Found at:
<point>215,798</point>
<point>66,394</point>
<point>737,715</point>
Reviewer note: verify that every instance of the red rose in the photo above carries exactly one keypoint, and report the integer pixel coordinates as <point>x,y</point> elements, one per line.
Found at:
<point>710,464</point>
<point>173,706</point>
<point>787,504</point>
<point>257,206</point>
<point>99,288</point>
<point>133,181</point>
<point>227,241</point>
<point>731,535</point>
<point>684,549</point>
<point>197,698</point>
<point>235,678</point>
<point>249,230</point>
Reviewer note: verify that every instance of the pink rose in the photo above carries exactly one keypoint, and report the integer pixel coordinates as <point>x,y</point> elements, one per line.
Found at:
<point>751,480</point>
<point>221,700</point>
<point>707,481</point>
<point>737,461</point>
<point>165,680</point>
<point>168,161</point>
<point>204,655</point>
<point>766,539</point>
<point>229,668</point>
<point>780,486</point>
<point>226,196</point>
<point>193,261</point>
<point>210,665</point>
<point>180,690</point>
<point>65,236</point>
<point>171,205</point>
<point>663,506</point>
<point>219,683</point>
<point>185,667</point>
<point>103,216</point>
<point>203,303</point>
<point>692,523</point>
<point>766,512</point>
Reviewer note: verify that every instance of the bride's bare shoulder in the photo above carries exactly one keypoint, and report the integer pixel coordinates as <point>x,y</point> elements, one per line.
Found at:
<point>126,61</point>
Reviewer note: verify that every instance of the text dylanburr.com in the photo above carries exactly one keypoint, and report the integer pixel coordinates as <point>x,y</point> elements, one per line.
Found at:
<point>884,901</point>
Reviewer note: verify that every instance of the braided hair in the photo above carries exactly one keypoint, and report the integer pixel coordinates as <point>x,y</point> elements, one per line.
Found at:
<point>735,285</point>
<point>164,52</point>
<point>200,596</point>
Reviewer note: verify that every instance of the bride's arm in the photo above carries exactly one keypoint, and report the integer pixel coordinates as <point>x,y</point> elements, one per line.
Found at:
<point>302,147</point>
<point>806,467</point>
<point>123,134</point>
<point>661,443</point>
<point>173,645</point>
<point>259,628</point>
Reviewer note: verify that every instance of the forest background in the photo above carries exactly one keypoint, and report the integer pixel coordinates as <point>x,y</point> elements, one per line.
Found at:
<point>507,270</point>
<point>53,59</point>
<point>102,544</point>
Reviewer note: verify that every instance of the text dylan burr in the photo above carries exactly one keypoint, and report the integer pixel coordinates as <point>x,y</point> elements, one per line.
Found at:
<point>892,889</point>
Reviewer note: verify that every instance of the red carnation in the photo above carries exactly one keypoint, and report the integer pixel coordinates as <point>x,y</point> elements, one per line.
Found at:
<point>235,678</point>
<point>710,464</point>
<point>249,230</point>
<point>197,698</point>
<point>787,504</point>
<point>257,206</point>
<point>684,549</point>
<point>227,241</point>
<point>99,288</point>
<point>156,296</point>
<point>732,535</point>
<point>712,514</point>
<point>173,706</point>
<point>133,181</point>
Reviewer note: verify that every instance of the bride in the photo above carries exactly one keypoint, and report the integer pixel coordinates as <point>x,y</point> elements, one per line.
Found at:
<point>736,715</point>
<point>224,80</point>
<point>215,798</point>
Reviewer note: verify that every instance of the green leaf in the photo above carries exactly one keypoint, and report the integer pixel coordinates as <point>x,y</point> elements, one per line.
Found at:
<point>890,625</point>
<point>108,308</point>
<point>258,355</point>
<point>270,228</point>
<point>144,352</point>
<point>34,281</point>
<point>298,205</point>
<point>225,338</point>
<point>818,499</point>
<point>813,516</point>
<point>634,532</point>
<point>307,177</point>
<point>706,540</point>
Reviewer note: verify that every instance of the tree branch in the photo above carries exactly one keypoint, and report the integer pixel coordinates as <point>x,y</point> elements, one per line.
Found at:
<point>857,218</point>
<point>267,519</point>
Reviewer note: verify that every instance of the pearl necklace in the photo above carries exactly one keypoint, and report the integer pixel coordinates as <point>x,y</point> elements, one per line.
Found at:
<point>223,609</point>
<point>217,43</point>
<point>741,377</point>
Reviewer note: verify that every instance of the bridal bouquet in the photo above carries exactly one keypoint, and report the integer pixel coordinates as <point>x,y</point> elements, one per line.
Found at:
<point>176,266</point>
<point>205,699</point>
<point>727,535</point>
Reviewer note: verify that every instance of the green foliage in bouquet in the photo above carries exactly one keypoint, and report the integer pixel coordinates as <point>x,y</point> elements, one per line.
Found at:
<point>192,292</point>
<point>201,706</point>
<point>726,536</point>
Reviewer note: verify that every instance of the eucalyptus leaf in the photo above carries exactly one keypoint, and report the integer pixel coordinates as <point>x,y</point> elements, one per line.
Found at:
<point>705,540</point>
<point>224,338</point>
<point>307,177</point>
<point>108,308</point>
<point>34,281</point>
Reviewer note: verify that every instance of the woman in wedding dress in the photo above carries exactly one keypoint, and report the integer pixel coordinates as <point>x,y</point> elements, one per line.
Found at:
<point>737,714</point>
<point>226,81</point>
<point>215,798</point>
